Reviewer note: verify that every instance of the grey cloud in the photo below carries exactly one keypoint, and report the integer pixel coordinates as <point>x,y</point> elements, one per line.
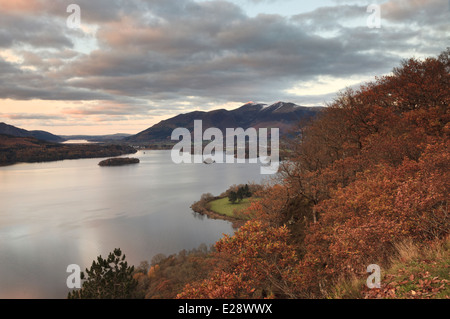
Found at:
<point>30,116</point>
<point>161,52</point>
<point>108,108</point>
<point>427,12</point>
<point>30,30</point>
<point>27,85</point>
<point>240,54</point>
<point>7,68</point>
<point>49,93</point>
<point>265,1</point>
<point>329,17</point>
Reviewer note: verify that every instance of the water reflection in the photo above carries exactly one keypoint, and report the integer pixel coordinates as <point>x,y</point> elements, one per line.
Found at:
<point>69,212</point>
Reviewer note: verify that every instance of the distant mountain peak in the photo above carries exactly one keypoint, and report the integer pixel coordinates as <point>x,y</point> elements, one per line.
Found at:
<point>253,103</point>
<point>281,114</point>
<point>250,106</point>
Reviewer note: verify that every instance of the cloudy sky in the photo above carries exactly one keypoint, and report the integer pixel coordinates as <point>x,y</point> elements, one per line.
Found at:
<point>129,64</point>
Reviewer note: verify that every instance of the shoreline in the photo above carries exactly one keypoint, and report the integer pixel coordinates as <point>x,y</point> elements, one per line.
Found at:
<point>15,150</point>
<point>236,222</point>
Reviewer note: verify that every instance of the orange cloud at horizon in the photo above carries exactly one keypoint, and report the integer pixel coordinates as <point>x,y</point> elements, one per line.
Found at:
<point>52,116</point>
<point>17,6</point>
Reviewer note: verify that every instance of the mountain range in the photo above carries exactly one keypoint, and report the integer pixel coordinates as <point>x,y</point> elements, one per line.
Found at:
<point>281,115</point>
<point>40,135</point>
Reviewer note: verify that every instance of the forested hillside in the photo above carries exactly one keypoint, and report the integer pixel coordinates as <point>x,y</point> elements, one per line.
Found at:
<point>366,183</point>
<point>371,172</point>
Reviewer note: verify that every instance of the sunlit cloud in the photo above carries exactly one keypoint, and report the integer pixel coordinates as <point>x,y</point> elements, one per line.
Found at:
<point>132,63</point>
<point>326,85</point>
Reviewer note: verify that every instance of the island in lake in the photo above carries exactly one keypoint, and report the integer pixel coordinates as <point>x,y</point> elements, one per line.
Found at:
<point>119,161</point>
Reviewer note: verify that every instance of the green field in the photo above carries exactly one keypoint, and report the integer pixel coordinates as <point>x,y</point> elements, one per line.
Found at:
<point>224,207</point>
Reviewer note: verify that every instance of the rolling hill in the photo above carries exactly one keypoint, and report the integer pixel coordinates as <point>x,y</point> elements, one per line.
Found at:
<point>7,129</point>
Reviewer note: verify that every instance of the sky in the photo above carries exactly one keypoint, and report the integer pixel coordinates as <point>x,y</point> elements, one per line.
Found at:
<point>118,66</point>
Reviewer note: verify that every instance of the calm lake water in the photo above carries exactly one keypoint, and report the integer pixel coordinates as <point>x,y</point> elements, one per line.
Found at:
<point>69,212</point>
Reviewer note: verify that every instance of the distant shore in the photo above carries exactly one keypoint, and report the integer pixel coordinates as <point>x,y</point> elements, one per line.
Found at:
<point>15,150</point>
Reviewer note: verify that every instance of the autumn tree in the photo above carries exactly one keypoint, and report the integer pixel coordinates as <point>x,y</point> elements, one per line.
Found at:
<point>371,170</point>
<point>362,222</point>
<point>383,176</point>
<point>256,262</point>
<point>356,130</point>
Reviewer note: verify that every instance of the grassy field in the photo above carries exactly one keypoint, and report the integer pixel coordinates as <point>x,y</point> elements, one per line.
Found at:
<point>416,273</point>
<point>224,207</point>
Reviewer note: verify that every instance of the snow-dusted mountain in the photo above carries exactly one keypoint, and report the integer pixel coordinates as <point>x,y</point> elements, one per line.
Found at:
<point>258,115</point>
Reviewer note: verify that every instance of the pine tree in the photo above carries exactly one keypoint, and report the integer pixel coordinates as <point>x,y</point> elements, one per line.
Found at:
<point>240,194</point>
<point>110,278</point>
<point>232,197</point>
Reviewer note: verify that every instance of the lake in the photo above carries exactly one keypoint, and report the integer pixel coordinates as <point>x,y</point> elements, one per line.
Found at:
<point>69,212</point>
<point>78,142</point>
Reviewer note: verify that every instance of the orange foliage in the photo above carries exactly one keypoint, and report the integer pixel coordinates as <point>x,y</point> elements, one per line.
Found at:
<point>271,203</point>
<point>372,170</point>
<point>361,222</point>
<point>256,262</point>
